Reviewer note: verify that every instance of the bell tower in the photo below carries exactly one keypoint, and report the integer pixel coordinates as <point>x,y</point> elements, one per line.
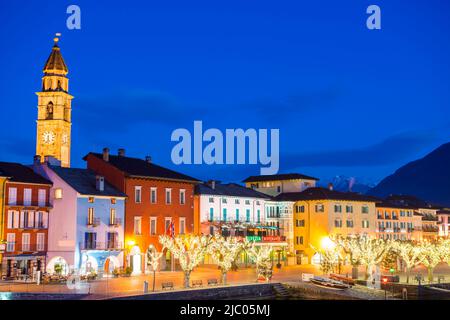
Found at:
<point>54,110</point>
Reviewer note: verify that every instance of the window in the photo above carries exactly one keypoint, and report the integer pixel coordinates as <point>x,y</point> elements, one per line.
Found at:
<point>211,200</point>
<point>112,216</point>
<point>237,215</point>
<point>137,225</point>
<point>13,219</point>
<point>138,194</point>
<point>41,219</point>
<point>30,219</point>
<point>365,224</point>
<point>224,200</point>
<point>299,209</point>
<point>40,242</point>
<point>25,242</point>
<point>182,196</point>
<point>338,223</point>
<point>27,197</point>
<point>211,214</point>
<point>337,208</point>
<point>182,225</point>
<point>42,197</point>
<point>113,200</point>
<point>299,240</point>
<point>167,222</point>
<point>247,202</point>
<point>11,242</point>
<point>153,191</point>
<point>258,203</point>
<point>90,240</point>
<point>278,188</point>
<point>300,223</point>
<point>90,221</point>
<point>58,193</point>
<point>320,208</point>
<point>91,199</point>
<point>349,209</point>
<point>236,201</point>
<point>12,196</point>
<point>168,196</point>
<point>224,214</point>
<point>111,238</point>
<point>23,216</point>
<point>247,215</point>
<point>349,223</point>
<point>258,216</point>
<point>365,209</point>
<point>153,226</point>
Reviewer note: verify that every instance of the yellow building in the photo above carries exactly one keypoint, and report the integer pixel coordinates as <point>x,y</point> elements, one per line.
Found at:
<point>320,213</point>
<point>54,110</point>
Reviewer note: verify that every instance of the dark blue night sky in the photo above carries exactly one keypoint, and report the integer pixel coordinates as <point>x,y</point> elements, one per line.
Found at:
<point>347,100</point>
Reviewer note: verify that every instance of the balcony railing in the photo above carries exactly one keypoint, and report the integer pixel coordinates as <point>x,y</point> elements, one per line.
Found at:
<point>35,204</point>
<point>96,245</point>
<point>115,222</point>
<point>25,247</point>
<point>93,222</point>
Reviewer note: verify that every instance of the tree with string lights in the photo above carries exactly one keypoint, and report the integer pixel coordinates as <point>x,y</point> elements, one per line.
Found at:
<point>409,253</point>
<point>153,258</point>
<point>224,252</point>
<point>431,254</point>
<point>262,255</point>
<point>188,249</point>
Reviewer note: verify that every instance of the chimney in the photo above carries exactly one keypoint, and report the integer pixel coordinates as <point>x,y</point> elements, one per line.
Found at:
<point>330,186</point>
<point>148,159</point>
<point>100,183</point>
<point>121,152</point>
<point>106,154</point>
<point>212,184</point>
<point>37,159</point>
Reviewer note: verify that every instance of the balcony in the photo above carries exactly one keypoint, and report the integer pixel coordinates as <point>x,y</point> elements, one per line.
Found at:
<point>96,245</point>
<point>115,223</point>
<point>429,217</point>
<point>31,205</point>
<point>93,222</point>
<point>20,248</point>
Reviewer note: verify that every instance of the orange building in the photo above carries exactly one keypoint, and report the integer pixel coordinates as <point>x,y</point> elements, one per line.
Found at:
<point>24,222</point>
<point>159,201</point>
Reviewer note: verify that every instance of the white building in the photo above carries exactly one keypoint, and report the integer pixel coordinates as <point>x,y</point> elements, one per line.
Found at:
<point>86,232</point>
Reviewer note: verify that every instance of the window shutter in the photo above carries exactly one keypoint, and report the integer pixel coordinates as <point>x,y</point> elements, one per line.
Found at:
<point>45,219</point>
<point>22,219</point>
<point>31,219</point>
<point>10,219</point>
<point>16,219</point>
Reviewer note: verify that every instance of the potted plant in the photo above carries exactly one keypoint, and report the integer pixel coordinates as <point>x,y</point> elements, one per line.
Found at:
<point>116,273</point>
<point>128,272</point>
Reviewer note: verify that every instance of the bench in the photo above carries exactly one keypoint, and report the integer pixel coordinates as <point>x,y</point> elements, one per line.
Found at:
<point>167,285</point>
<point>212,282</point>
<point>197,283</point>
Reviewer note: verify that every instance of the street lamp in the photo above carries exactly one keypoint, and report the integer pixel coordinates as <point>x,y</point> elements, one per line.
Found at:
<point>385,280</point>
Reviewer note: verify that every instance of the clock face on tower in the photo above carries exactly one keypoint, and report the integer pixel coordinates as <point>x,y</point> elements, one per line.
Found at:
<point>48,137</point>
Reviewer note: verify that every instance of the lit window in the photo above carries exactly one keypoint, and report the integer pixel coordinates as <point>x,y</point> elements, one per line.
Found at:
<point>182,196</point>
<point>138,194</point>
<point>58,193</point>
<point>153,195</point>
<point>91,199</point>
<point>168,196</point>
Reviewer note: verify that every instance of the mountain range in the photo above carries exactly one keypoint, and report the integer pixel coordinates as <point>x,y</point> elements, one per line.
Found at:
<point>427,178</point>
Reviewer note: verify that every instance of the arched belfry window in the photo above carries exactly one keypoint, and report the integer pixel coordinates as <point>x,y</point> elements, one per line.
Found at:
<point>49,114</point>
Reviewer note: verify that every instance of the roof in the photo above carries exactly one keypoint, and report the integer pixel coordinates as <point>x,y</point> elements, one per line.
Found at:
<point>318,193</point>
<point>444,211</point>
<point>84,182</point>
<point>229,189</point>
<point>389,204</point>
<point>20,173</point>
<point>283,176</point>
<point>411,201</point>
<point>55,61</point>
<point>141,168</point>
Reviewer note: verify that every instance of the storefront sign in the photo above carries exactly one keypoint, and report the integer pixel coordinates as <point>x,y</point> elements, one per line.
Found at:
<point>254,238</point>
<point>271,239</point>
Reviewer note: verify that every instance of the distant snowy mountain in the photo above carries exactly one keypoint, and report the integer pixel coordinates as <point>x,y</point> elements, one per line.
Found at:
<point>344,183</point>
